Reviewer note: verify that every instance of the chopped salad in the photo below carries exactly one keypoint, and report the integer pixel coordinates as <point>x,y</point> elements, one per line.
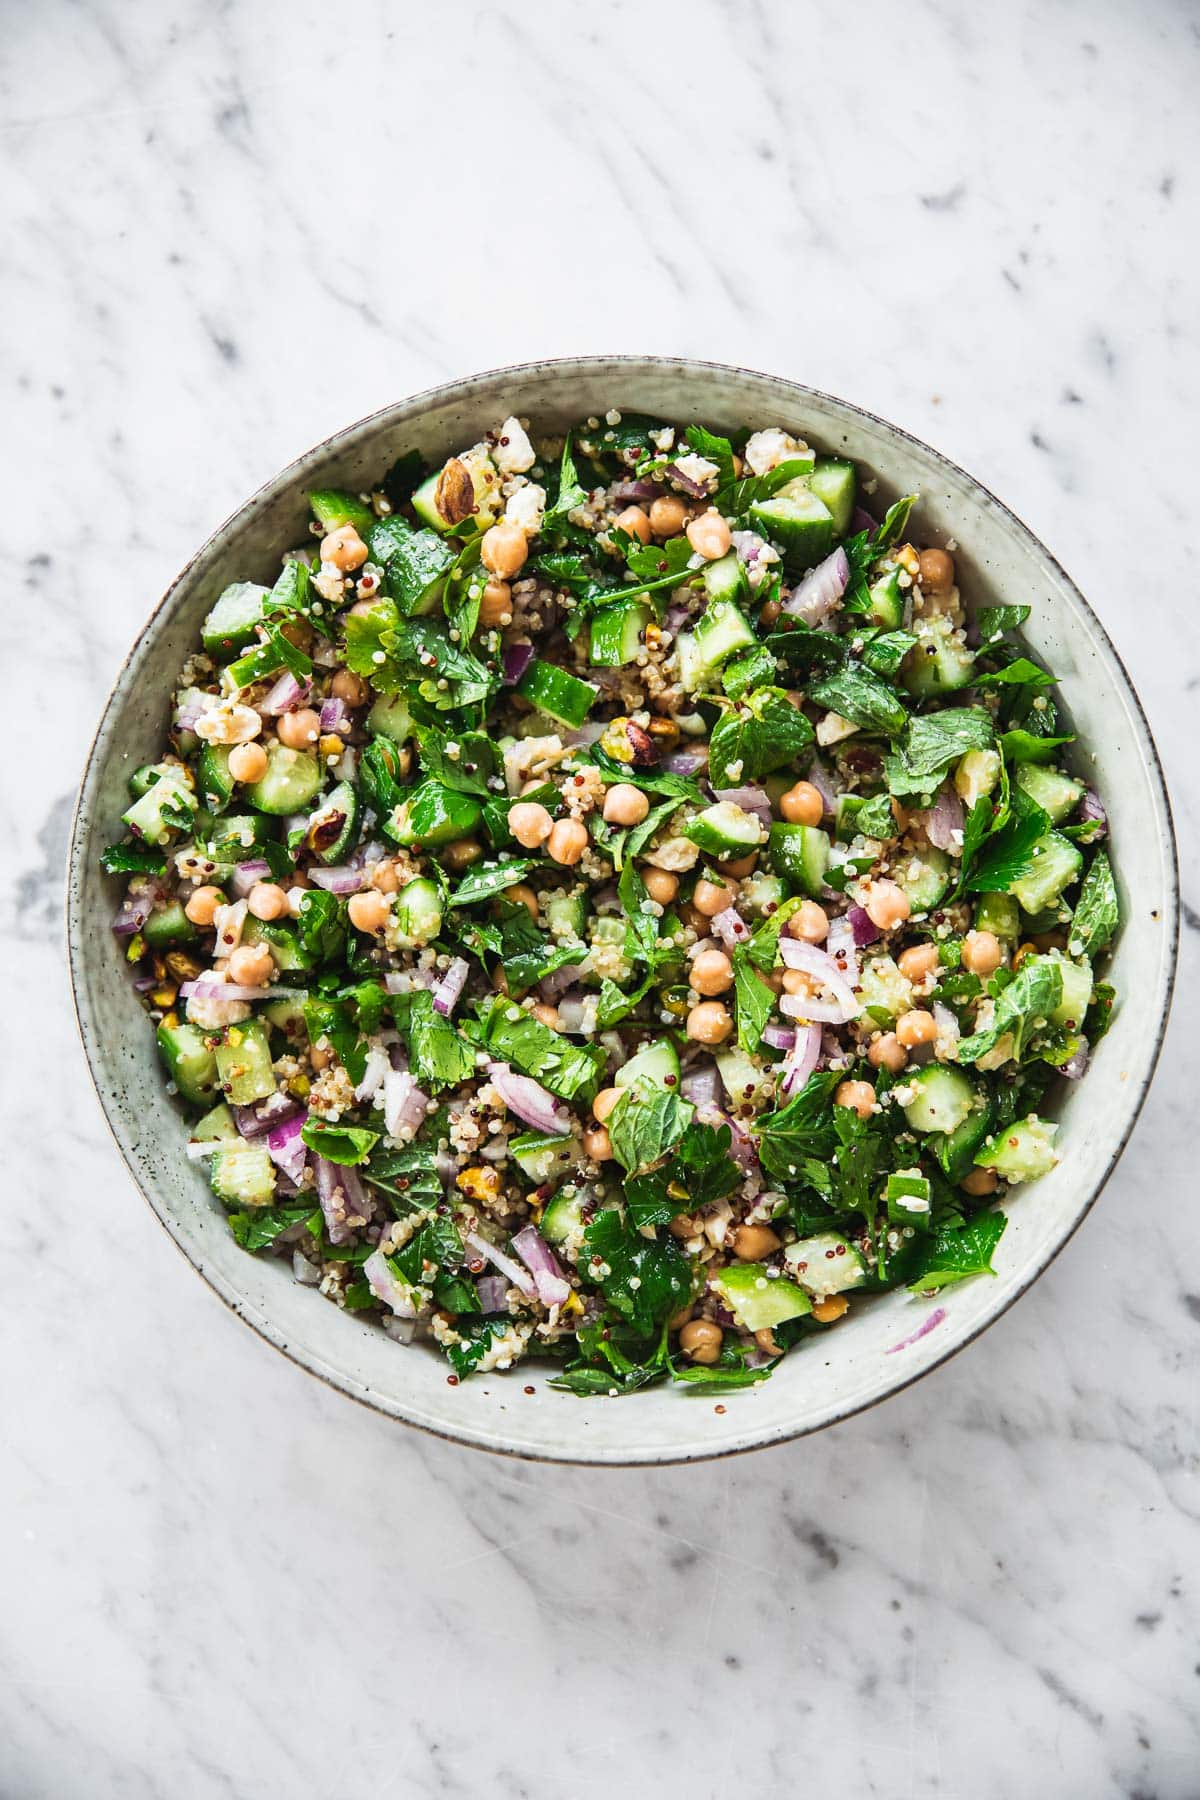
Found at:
<point>606,901</point>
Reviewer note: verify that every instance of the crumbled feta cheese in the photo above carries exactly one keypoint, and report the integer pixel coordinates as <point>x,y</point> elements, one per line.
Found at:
<point>514,453</point>
<point>698,469</point>
<point>526,507</point>
<point>767,449</point>
<point>225,722</point>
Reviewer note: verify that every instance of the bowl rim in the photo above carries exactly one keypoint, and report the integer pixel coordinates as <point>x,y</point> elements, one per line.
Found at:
<point>227,1293</point>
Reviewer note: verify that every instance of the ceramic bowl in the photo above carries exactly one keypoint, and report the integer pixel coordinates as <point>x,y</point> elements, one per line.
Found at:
<point>881,1347</point>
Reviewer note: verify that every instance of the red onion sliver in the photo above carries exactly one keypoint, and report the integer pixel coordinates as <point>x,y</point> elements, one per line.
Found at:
<point>287,1148</point>
<point>247,875</point>
<point>284,696</point>
<point>801,1059</point>
<point>341,1195</point>
<point>552,1286</point>
<point>340,879</point>
<point>821,966</point>
<point>1077,1065</point>
<point>821,589</point>
<point>943,821</point>
<point>779,1037</point>
<point>695,488</point>
<point>507,1265</point>
<point>685,762</point>
<point>863,926</point>
<point>529,1100</point>
<point>517,658</point>
<point>378,1274</point>
<point>335,716</point>
<point>702,1086</point>
<point>404,1105</point>
<point>493,1293</point>
<point>818,777</point>
<point>935,1318</point>
<point>449,988</point>
<point>631,492</point>
<point>730,927</point>
<point>752,800</point>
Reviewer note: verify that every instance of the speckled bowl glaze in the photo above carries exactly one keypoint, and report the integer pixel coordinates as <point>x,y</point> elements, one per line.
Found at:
<point>881,1347</point>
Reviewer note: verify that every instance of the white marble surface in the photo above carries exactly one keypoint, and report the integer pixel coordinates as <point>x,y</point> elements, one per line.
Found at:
<point>229,230</point>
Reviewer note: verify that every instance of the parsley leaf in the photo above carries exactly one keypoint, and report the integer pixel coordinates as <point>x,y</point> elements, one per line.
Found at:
<point>647,1280</point>
<point>1026,746</point>
<point>884,654</point>
<point>321,924</point>
<point>572,1071</point>
<point>258,1229</point>
<point>651,781</point>
<point>570,491</point>
<point>714,449</point>
<point>994,621</point>
<point>490,879</point>
<point>755,999</point>
<point>438,1054</point>
<point>408,1176</point>
<point>1021,672</point>
<point>701,1171</point>
<point>132,859</point>
<point>1008,853</point>
<point>802,1129</point>
<point>469,770</point>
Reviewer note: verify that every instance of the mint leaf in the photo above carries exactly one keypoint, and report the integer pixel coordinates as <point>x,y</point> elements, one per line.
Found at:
<point>1026,746</point>
<point>994,621</point>
<point>955,1255</point>
<point>258,1229</point>
<point>931,743</point>
<point>490,879</point>
<point>645,1124</point>
<point>1097,911</point>
<point>461,760</point>
<point>1028,1000</point>
<point>755,1000</point>
<point>756,736</point>
<point>343,1144</point>
<point>857,694</point>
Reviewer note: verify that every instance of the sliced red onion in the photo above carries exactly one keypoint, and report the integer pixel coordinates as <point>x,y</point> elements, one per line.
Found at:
<point>779,1037</point>
<point>629,493</point>
<point>287,1148</point>
<point>552,1285</point>
<point>821,590</point>
<point>210,987</point>
<point>730,927</point>
<point>257,1120</point>
<point>865,930</point>
<point>284,695</point>
<point>576,1014</point>
<point>493,1293</point>
<point>340,879</point>
<point>517,658</point>
<point>559,982</point>
<point>374,1070</point>
<point>861,520</point>
<point>404,1104</point>
<point>590,732</point>
<point>943,822</point>
<point>841,945</point>
<point>335,716</point>
<point>347,765</point>
<point>1091,811</point>
<point>820,965</point>
<point>927,1325</point>
<point>143,983</point>
<point>449,988</point>
<point>377,1271</point>
<point>818,777</point>
<point>144,893</point>
<point>752,800</point>
<point>198,1150</point>
<point>741,1146</point>
<point>248,875</point>
<point>801,1059</point>
<point>341,1195</point>
<point>685,762</point>
<point>507,1265</point>
<point>305,1272</point>
<point>1077,1064</point>
<point>529,1100</point>
<point>702,1086</point>
<point>678,614</point>
<point>444,1165</point>
<point>689,486</point>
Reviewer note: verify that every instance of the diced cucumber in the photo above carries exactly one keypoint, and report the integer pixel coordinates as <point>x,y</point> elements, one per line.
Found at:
<point>976,775</point>
<point>616,633</point>
<point>1023,1151</point>
<point>758,1300</point>
<point>884,991</point>
<point>287,1016</point>
<point>721,629</point>
<point>244,1063</point>
<point>190,1062</point>
<point>923,875</point>
<point>557,693</point>
<point>215,782</point>
<point>332,830</point>
<point>908,1198</point>
<point>998,913</point>
<point>607,938</point>
<point>724,831</point>
<point>540,1157</point>
<point>726,580</point>
<point>1056,863</point>
<point>424,503</point>
<point>694,672</point>
<point>485,484</point>
<point>655,1065</point>
<point>416,915</point>
<point>834,482</point>
<point>216,1127</point>
<point>938,663</point>
<point>566,915</point>
<point>231,837</point>
<point>1051,789</point>
<point>233,620</point>
<point>434,815</point>
<point>244,1176</point>
<point>415,564</point>
<point>563,1217</point>
<point>885,601</point>
<point>826,1264</point>
<point>143,779</point>
<point>940,1098</point>
<point>798,522</point>
<point>168,925</point>
<point>332,507</point>
<point>390,717</point>
<point>292,781</point>
<point>168,806</point>
<point>1077,982</point>
<point>287,951</point>
<point>800,853</point>
<point>956,1150</point>
<point>760,894</point>
<point>744,1081</point>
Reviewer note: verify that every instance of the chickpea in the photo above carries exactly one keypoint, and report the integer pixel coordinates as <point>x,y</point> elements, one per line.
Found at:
<point>251,965</point>
<point>683,1226</point>
<point>267,900</point>
<point>752,1242</point>
<point>701,1340</point>
<point>740,866</point>
<point>597,1144</point>
<point>300,729</point>
<point>668,515</point>
<point>635,522</point>
<point>858,1095</point>
<point>768,617</point>
<point>980,1182</point>
<point>712,972</point>
<point>809,923</point>
<point>349,688</point>
<point>203,904</point>
<point>604,1102</point>
<point>545,1015</point>
<point>500,979</point>
<point>765,1340</point>
<point>887,905</point>
<point>709,535</point>
<point>711,897</point>
<point>385,877</point>
<point>344,549</point>
<point>795,981</point>
<point>937,571</point>
<point>530,823</point>
<point>709,1023</point>
<point>981,952</point>
<point>917,962</point>
<point>916,1027</point>
<point>525,896</point>
<point>834,1307</point>
<point>661,885</point>
<point>495,606</point>
<point>461,853</point>
<point>369,911</point>
<point>802,804</point>
<point>503,549</point>
<point>625,804</point>
<point>567,841</point>
<point>887,1052</point>
<point>320,1057</point>
<point>679,1319</point>
<point>247,762</point>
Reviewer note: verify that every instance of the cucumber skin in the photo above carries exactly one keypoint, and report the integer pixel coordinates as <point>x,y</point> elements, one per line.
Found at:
<point>292,781</point>
<point>191,1064</point>
<point>800,853</point>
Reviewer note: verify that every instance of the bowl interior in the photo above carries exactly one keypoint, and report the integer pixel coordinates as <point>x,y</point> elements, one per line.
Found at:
<point>859,1363</point>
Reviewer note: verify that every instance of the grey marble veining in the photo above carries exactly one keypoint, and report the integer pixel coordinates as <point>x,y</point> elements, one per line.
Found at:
<point>231,229</point>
